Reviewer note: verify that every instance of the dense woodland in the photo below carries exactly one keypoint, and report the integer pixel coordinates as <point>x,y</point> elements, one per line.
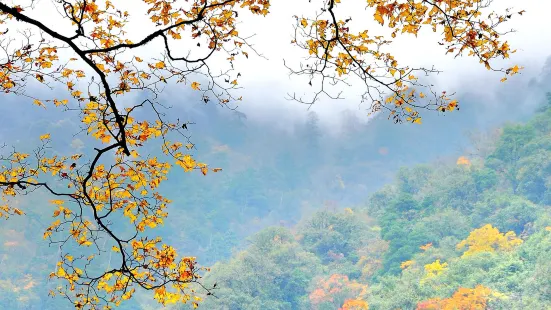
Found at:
<point>471,230</point>
<point>475,232</point>
<point>319,217</point>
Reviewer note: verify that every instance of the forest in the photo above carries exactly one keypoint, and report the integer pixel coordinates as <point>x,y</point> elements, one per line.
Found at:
<point>153,157</point>
<point>469,230</point>
<point>469,234</point>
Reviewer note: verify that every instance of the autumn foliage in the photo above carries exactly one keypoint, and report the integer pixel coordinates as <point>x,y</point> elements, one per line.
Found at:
<point>338,54</point>
<point>463,161</point>
<point>434,269</point>
<point>339,291</point>
<point>354,304</point>
<point>92,64</point>
<point>462,299</point>
<point>488,239</point>
<point>97,64</point>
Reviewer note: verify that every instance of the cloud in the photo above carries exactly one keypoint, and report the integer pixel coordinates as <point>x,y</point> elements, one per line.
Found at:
<point>77,144</point>
<point>61,123</point>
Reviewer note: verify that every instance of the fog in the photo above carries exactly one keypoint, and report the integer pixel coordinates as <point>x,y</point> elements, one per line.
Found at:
<point>266,82</point>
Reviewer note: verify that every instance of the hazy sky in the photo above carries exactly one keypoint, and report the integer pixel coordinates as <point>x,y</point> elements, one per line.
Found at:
<point>266,81</point>
<point>532,40</point>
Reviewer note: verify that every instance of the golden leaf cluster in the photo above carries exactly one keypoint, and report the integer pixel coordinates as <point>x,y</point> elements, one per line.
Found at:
<point>488,239</point>
<point>360,55</point>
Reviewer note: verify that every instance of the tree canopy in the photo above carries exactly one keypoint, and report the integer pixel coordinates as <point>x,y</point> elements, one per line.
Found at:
<point>412,247</point>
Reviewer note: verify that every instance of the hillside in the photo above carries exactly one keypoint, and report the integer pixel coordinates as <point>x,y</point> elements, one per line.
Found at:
<point>473,232</point>
<point>287,181</point>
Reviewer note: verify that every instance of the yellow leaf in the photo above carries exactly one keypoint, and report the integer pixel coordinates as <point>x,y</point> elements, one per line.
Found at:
<point>61,272</point>
<point>60,102</point>
<point>45,136</point>
<point>379,18</point>
<point>176,35</point>
<point>128,294</point>
<point>452,105</point>
<point>47,234</point>
<point>195,85</point>
<point>39,103</point>
<point>18,212</point>
<point>462,160</point>
<point>115,249</point>
<point>406,264</point>
<point>160,65</point>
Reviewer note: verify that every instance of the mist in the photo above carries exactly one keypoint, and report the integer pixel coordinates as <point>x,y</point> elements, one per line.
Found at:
<point>284,162</point>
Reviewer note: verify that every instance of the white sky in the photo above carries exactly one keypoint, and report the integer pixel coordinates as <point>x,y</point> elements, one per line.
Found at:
<point>532,39</point>
<point>266,82</point>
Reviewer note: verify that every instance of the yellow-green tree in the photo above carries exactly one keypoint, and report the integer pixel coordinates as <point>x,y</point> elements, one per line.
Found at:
<point>488,239</point>
<point>433,270</point>
<point>84,53</point>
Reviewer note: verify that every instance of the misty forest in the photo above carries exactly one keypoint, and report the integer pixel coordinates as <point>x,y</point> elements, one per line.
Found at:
<point>160,168</point>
